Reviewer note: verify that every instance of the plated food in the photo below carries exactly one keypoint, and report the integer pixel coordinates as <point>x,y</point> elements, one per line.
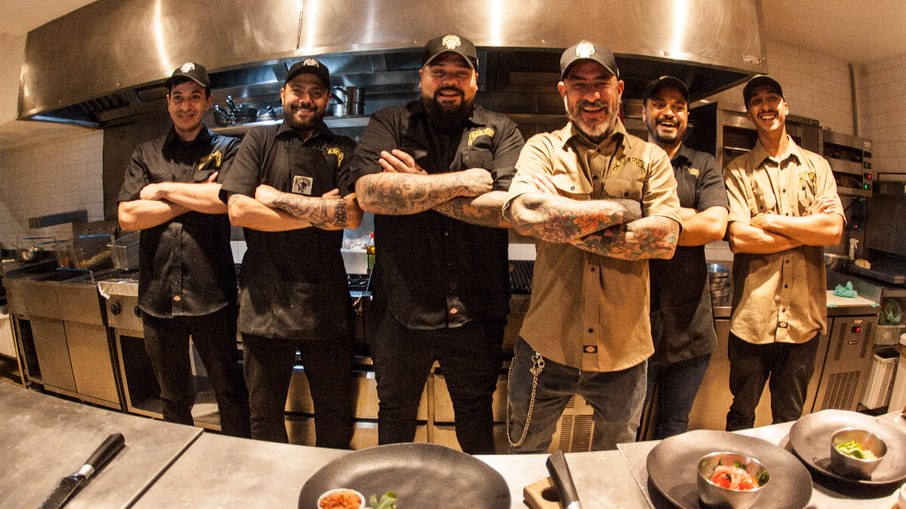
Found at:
<point>341,498</point>
<point>811,439</point>
<point>789,486</point>
<point>856,453</point>
<point>728,479</point>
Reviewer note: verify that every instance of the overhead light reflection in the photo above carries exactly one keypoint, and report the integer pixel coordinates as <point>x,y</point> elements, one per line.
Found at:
<point>159,41</point>
<point>495,22</point>
<point>680,17</point>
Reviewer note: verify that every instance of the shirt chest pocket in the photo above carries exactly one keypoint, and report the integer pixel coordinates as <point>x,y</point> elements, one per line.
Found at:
<point>761,202</point>
<point>806,189</point>
<point>626,183</point>
<point>477,158</point>
<point>313,174</point>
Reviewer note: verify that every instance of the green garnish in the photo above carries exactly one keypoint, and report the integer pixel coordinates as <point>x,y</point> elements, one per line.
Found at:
<point>387,501</point>
<point>853,449</point>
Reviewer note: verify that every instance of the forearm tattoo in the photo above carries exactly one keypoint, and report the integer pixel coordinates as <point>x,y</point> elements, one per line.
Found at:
<point>406,194</point>
<point>633,241</point>
<point>467,211</point>
<point>320,212</point>
<point>566,221</point>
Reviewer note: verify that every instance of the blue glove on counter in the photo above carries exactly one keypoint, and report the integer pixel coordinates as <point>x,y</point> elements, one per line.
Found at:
<point>846,291</point>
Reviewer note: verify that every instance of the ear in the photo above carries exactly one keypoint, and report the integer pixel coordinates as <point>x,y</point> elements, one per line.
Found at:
<point>561,87</point>
<point>282,93</point>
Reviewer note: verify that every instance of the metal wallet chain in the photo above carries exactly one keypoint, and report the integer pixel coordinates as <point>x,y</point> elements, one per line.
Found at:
<point>536,369</point>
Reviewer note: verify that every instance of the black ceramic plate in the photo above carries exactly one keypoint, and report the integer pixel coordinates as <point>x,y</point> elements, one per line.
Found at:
<point>810,439</point>
<point>421,475</point>
<point>673,468</point>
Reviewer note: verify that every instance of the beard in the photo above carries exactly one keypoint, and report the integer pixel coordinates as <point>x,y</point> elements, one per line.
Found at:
<point>592,130</point>
<point>665,138</point>
<point>303,125</point>
<point>443,115</point>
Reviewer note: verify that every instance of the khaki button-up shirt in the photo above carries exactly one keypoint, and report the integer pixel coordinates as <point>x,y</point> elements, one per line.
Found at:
<point>779,297</point>
<point>588,311</point>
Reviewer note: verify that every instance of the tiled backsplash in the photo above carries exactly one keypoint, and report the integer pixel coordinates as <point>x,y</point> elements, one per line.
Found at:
<point>49,179</point>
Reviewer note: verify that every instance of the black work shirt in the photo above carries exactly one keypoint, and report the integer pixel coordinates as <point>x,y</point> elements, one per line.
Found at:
<point>292,284</point>
<point>682,323</point>
<point>185,264</point>
<point>433,271</point>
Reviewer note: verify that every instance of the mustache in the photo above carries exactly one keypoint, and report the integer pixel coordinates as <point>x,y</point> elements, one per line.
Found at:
<point>449,88</point>
<point>592,104</point>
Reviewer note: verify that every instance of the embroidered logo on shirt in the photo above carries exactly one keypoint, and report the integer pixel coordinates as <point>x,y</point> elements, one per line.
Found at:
<point>807,176</point>
<point>302,185</point>
<point>485,131</point>
<point>336,151</point>
<point>693,171</point>
<point>204,162</point>
<point>619,164</point>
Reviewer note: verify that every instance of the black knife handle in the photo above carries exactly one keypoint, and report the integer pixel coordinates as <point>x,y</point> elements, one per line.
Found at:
<point>106,451</point>
<point>563,480</point>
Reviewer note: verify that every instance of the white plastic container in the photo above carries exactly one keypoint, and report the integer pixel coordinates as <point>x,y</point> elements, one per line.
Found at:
<point>880,379</point>
<point>7,343</point>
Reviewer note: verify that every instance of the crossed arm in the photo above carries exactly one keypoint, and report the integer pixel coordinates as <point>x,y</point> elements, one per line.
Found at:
<point>163,201</point>
<point>405,188</point>
<point>272,210</point>
<point>772,233</point>
<point>608,227</point>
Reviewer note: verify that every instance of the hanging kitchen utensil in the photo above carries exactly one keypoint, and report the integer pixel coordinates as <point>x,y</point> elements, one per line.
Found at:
<point>223,117</point>
<point>241,114</point>
<point>75,481</point>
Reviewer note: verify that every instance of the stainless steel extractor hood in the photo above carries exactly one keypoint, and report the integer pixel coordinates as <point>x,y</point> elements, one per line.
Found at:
<point>105,63</point>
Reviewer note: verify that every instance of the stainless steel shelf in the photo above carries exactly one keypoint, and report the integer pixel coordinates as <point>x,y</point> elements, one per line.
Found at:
<point>332,122</point>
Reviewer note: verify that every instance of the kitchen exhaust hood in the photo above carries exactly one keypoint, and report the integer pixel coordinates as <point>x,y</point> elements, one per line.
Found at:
<point>105,64</point>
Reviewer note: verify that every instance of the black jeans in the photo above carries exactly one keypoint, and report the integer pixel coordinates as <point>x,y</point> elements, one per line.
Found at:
<point>789,368</point>
<point>214,335</point>
<point>470,357</point>
<point>328,369</point>
<point>675,386</point>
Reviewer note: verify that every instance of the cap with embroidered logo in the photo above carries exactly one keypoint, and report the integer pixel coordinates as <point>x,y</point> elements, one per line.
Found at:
<point>587,50</point>
<point>192,71</point>
<point>760,80</point>
<point>664,81</point>
<point>451,43</point>
<point>309,66</point>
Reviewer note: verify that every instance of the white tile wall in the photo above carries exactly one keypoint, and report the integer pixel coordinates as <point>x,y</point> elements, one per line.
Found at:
<point>52,178</point>
<point>816,86</point>
<point>883,103</point>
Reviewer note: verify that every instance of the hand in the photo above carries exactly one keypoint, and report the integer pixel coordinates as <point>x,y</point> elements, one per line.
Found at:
<point>475,182</point>
<point>398,161</point>
<point>267,195</point>
<point>764,221</point>
<point>213,177</point>
<point>354,213</point>
<point>545,185</point>
<point>152,192</point>
<point>333,193</point>
<point>823,205</point>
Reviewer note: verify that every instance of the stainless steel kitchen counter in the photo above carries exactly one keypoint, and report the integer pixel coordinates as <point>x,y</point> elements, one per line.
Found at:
<point>45,438</point>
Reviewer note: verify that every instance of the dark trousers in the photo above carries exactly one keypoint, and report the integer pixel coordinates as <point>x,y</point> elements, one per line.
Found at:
<point>788,367</point>
<point>214,335</point>
<point>675,386</point>
<point>328,369</point>
<point>470,357</point>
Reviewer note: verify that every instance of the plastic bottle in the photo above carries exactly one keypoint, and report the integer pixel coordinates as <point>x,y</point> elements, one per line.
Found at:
<point>370,252</point>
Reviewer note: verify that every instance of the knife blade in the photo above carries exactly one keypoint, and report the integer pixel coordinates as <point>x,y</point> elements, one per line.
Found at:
<point>563,480</point>
<point>73,482</point>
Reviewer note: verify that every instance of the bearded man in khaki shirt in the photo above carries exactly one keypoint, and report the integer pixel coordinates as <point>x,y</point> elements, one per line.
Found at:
<point>601,202</point>
<point>783,208</point>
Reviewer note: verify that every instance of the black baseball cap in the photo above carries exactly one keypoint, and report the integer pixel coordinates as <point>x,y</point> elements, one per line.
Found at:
<point>587,50</point>
<point>451,43</point>
<point>309,66</point>
<point>192,71</point>
<point>760,80</point>
<point>665,81</point>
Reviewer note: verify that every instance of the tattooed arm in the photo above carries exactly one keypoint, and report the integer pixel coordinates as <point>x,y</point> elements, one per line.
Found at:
<point>483,210</point>
<point>648,237</point>
<point>397,194</point>
<point>328,212</point>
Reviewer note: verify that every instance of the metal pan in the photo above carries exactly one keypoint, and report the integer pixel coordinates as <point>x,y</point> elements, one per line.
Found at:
<point>673,468</point>
<point>421,475</point>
